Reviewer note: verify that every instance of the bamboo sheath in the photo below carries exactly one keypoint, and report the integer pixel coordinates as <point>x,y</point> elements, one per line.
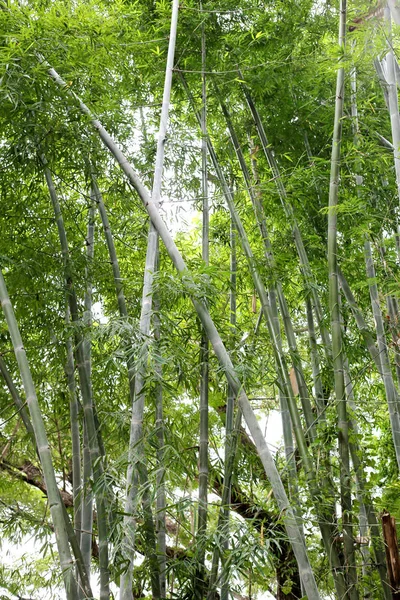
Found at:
<point>291,526</point>
<point>43,448</point>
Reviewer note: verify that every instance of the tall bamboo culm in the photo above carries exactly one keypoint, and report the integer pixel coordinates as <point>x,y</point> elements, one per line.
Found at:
<point>55,501</point>
<point>334,307</point>
<point>136,452</point>
<point>199,586</point>
<point>87,494</point>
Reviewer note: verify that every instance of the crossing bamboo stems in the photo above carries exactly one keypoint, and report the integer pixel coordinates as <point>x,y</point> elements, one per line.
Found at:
<point>92,434</point>
<point>290,522</point>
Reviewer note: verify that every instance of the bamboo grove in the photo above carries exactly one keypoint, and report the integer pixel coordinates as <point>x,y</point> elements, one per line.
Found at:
<point>199,249</point>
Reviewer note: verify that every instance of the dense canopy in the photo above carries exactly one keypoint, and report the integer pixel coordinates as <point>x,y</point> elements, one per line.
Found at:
<point>200,264</point>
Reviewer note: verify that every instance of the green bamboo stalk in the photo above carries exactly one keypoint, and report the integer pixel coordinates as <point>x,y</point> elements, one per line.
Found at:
<point>231,439</point>
<point>43,448</point>
<point>390,389</point>
<point>222,532</point>
<point>199,587</point>
<point>393,102</point>
<point>315,362</point>
<point>149,525</point>
<point>75,435</point>
<point>87,504</point>
<point>334,307</point>
<point>118,281</point>
<point>360,321</point>
<point>291,526</point>
<point>87,496</point>
<point>229,417</point>
<point>160,475</point>
<point>262,225</point>
<point>95,454</point>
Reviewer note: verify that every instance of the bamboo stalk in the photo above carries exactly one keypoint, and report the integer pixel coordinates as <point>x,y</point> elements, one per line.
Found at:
<point>55,502</point>
<point>160,475</point>
<point>291,526</point>
<point>75,436</point>
<point>368,518</point>
<point>87,496</point>
<point>136,450</point>
<point>87,504</point>
<point>300,247</point>
<point>200,585</point>
<point>391,393</point>
<point>360,321</point>
<point>315,362</point>
<point>72,538</point>
<point>230,407</point>
<point>393,102</point>
<point>334,307</point>
<point>231,439</point>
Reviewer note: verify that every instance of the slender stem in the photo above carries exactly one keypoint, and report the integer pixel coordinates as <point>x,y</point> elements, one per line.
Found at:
<point>275,288</point>
<point>368,517</point>
<point>288,208</point>
<point>391,393</point>
<point>87,496</point>
<point>230,405</point>
<point>55,502</point>
<point>87,504</point>
<point>136,457</point>
<point>75,435</point>
<point>160,475</point>
<point>20,406</point>
<point>361,323</point>
<point>72,538</point>
<point>334,307</point>
<point>199,587</point>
